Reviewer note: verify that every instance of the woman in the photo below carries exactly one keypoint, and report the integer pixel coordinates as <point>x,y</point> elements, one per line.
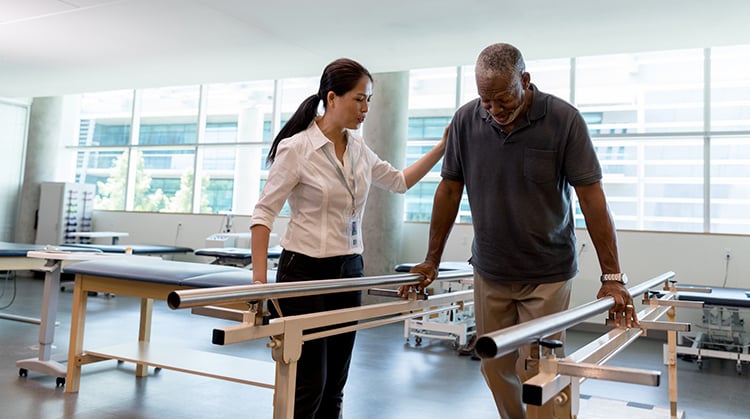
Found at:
<point>325,172</point>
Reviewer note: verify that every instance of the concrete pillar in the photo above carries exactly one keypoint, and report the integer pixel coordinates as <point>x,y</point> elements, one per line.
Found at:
<point>247,164</point>
<point>13,127</point>
<point>385,131</point>
<point>53,125</point>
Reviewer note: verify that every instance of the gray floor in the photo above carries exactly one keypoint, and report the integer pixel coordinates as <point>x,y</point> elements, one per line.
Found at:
<point>390,378</point>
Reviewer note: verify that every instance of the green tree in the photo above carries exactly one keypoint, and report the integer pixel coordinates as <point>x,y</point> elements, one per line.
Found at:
<point>111,194</point>
<point>183,198</point>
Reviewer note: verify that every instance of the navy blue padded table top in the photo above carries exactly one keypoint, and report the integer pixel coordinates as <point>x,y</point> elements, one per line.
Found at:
<point>444,266</point>
<point>165,271</point>
<point>138,249</point>
<point>8,249</point>
<point>224,279</point>
<point>731,297</point>
<point>243,253</point>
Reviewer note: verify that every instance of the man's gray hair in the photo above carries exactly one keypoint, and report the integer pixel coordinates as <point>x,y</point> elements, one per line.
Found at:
<point>499,59</point>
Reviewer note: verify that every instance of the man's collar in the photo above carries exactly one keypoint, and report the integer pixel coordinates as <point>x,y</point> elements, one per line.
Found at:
<point>538,107</point>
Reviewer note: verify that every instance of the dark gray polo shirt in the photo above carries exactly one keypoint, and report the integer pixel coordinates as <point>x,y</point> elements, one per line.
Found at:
<point>519,187</point>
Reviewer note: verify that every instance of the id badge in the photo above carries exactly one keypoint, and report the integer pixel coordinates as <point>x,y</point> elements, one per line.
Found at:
<point>353,232</point>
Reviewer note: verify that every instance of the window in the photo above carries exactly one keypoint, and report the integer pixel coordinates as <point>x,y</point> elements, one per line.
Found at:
<point>433,88</point>
<point>168,116</point>
<point>730,185</point>
<point>671,129</point>
<point>730,88</point>
<point>653,183</point>
<point>551,76</point>
<point>230,161</point>
<point>295,91</point>
<point>642,93</point>
<point>418,199</point>
<point>104,128</point>
<point>432,102</point>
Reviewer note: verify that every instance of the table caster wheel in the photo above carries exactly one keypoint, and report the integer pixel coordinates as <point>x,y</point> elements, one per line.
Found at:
<point>23,372</point>
<point>60,381</point>
<point>418,340</point>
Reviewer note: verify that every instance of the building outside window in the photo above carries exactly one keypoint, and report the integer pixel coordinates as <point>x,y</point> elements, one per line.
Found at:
<point>433,97</point>
<point>671,128</point>
<point>104,134</point>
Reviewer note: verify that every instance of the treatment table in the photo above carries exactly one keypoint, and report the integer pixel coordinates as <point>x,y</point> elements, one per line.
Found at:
<point>50,259</point>
<point>722,331</point>
<point>85,237</point>
<point>13,257</point>
<point>152,280</point>
<point>456,325</point>
<point>136,249</point>
<point>235,256</point>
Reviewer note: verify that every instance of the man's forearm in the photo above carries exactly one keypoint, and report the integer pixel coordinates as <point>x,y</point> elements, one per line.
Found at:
<point>605,242</point>
<point>444,211</point>
<point>600,226</point>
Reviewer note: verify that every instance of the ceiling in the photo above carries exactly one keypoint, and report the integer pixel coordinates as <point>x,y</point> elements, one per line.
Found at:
<point>55,47</point>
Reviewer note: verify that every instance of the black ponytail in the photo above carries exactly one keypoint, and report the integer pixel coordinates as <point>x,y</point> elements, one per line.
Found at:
<point>339,77</point>
<point>299,121</point>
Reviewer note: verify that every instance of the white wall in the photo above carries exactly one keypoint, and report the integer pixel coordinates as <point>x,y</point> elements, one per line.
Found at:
<point>695,258</point>
<point>189,230</point>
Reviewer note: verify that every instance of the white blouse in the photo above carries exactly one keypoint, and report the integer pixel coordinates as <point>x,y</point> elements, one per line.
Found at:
<point>321,206</point>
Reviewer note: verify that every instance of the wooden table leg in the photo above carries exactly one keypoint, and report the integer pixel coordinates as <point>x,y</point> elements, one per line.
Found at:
<point>77,324</point>
<point>144,331</point>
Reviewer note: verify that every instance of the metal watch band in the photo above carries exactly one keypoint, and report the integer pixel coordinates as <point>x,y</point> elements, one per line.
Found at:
<point>618,277</point>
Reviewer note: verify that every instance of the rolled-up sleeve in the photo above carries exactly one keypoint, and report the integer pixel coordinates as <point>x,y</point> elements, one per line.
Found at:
<point>384,175</point>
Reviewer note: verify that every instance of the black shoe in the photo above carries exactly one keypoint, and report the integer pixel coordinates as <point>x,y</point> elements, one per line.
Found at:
<point>468,349</point>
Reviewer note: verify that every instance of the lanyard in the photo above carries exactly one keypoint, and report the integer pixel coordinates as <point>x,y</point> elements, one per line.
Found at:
<point>342,178</point>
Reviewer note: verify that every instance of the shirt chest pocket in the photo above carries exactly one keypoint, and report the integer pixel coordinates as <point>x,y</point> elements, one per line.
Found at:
<point>539,165</point>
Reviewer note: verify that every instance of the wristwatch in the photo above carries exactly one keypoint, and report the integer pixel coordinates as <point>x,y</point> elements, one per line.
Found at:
<point>619,277</point>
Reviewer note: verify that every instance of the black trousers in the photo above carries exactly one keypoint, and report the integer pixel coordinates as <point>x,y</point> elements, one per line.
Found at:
<point>323,367</point>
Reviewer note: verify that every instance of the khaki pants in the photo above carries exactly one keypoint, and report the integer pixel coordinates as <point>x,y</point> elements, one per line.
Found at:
<point>497,306</point>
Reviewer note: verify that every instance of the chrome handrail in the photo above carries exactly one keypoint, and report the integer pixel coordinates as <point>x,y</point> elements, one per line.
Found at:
<point>244,293</point>
<point>501,342</point>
